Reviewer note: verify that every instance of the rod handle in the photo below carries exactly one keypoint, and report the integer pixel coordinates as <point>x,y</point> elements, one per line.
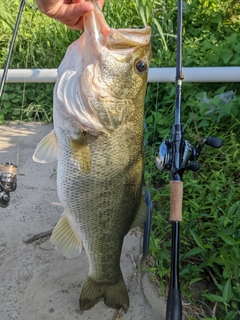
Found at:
<point>174,305</point>
<point>176,196</point>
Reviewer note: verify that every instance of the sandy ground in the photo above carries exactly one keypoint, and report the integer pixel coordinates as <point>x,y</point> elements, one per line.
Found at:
<point>36,282</point>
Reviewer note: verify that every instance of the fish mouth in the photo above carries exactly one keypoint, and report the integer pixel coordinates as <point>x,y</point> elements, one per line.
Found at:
<point>117,41</point>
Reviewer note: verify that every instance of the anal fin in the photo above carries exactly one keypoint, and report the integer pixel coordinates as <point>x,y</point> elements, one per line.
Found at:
<point>65,239</point>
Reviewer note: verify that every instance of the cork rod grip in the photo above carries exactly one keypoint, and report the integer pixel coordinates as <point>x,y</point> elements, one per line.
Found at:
<point>176,196</point>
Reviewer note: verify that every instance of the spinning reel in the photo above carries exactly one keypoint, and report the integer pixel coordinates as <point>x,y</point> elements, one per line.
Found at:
<point>8,182</point>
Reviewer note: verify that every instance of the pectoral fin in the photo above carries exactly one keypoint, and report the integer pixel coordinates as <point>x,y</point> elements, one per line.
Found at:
<point>47,149</point>
<point>141,216</point>
<point>81,152</point>
<point>65,239</point>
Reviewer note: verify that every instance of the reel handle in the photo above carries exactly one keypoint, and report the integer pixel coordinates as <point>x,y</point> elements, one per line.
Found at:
<point>213,142</point>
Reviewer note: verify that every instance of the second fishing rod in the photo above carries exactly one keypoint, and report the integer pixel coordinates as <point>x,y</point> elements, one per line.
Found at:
<point>8,171</point>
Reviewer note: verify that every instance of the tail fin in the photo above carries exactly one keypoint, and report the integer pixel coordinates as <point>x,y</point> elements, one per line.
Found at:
<point>115,295</point>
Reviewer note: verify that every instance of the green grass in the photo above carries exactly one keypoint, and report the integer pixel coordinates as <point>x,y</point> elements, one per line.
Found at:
<point>210,231</point>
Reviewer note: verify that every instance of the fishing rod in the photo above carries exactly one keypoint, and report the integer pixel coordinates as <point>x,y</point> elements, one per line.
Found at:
<point>8,171</point>
<point>176,155</point>
<point>7,62</point>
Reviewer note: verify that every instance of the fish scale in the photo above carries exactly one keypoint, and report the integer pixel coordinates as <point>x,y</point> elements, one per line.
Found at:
<point>98,142</point>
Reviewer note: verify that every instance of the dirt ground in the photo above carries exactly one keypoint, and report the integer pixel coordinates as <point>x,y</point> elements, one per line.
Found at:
<point>36,282</point>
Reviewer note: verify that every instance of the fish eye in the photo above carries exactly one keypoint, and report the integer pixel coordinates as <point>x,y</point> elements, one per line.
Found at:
<point>141,66</point>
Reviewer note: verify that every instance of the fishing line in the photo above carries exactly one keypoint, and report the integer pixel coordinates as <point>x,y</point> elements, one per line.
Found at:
<point>147,195</point>
<point>154,112</point>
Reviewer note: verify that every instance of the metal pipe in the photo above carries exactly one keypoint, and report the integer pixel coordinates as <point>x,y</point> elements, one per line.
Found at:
<point>194,74</point>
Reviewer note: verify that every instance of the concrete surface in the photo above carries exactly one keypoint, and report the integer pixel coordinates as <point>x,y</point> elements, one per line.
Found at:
<point>36,282</point>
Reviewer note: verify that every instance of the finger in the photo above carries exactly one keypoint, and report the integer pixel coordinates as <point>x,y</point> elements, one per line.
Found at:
<point>77,24</point>
<point>67,11</point>
<point>72,14</point>
<point>76,1</point>
<point>100,2</point>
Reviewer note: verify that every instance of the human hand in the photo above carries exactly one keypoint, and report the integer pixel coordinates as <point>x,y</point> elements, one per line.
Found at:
<point>66,11</point>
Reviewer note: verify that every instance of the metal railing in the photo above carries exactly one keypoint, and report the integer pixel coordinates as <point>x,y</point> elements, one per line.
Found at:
<point>193,74</point>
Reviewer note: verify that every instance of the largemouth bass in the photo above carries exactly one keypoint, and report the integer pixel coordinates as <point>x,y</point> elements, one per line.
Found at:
<point>98,142</point>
